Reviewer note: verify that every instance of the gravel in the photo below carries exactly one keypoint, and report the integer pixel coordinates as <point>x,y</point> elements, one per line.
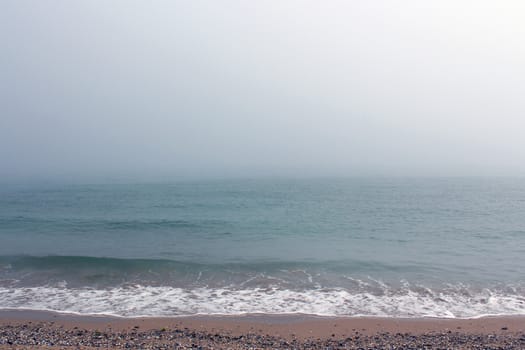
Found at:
<point>48,335</point>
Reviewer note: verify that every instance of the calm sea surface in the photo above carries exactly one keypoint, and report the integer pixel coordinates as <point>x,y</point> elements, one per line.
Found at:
<point>384,247</point>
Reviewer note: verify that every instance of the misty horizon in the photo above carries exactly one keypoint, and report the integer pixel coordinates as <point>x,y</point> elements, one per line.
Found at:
<point>130,91</point>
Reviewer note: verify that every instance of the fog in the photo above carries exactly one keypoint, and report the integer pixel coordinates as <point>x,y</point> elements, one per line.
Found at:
<point>140,90</point>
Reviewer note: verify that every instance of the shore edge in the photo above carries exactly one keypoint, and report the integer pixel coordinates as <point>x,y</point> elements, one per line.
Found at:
<point>28,329</point>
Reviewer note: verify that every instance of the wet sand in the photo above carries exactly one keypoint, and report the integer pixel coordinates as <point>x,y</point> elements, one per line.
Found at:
<point>32,329</point>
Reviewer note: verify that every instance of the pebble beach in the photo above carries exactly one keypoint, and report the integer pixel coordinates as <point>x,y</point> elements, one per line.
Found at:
<point>58,331</point>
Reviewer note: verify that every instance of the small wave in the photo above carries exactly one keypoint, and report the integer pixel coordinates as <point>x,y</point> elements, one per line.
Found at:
<point>75,261</point>
<point>81,225</point>
<point>137,300</point>
<point>71,262</point>
<point>97,272</point>
<point>147,224</point>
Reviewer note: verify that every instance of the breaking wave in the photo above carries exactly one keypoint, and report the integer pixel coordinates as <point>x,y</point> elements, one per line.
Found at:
<point>138,300</point>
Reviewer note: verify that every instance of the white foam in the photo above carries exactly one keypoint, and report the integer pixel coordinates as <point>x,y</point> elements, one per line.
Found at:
<point>168,301</point>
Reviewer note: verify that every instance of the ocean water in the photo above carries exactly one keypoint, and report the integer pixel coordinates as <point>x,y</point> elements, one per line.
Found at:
<point>399,247</point>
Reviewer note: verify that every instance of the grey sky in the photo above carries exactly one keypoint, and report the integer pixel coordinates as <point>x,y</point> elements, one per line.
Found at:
<point>153,89</point>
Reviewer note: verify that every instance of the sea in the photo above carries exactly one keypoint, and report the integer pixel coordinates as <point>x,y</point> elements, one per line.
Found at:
<point>390,247</point>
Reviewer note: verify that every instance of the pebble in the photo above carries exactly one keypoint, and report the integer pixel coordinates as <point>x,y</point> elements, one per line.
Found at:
<point>51,336</point>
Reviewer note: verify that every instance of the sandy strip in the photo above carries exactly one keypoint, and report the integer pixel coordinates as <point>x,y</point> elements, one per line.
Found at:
<point>299,326</point>
<point>261,331</point>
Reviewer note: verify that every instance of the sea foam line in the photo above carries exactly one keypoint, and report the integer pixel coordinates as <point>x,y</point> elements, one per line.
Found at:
<point>139,300</point>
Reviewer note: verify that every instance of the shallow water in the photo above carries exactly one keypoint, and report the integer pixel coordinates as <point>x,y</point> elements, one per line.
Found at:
<point>384,247</point>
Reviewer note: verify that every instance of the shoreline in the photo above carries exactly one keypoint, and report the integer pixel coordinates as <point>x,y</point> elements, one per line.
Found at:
<point>257,331</point>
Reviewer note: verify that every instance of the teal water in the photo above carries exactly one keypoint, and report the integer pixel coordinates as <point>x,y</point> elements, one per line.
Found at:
<point>384,247</point>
